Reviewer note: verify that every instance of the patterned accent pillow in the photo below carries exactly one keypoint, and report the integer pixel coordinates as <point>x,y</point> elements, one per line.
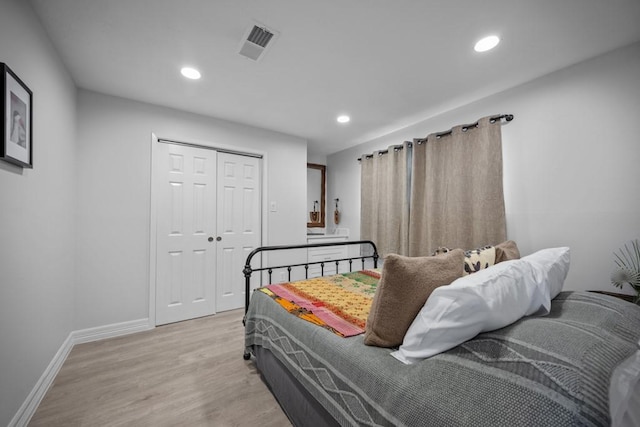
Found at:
<point>478,259</point>
<point>440,250</point>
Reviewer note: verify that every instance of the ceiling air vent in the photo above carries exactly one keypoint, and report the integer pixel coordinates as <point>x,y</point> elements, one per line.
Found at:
<point>255,43</point>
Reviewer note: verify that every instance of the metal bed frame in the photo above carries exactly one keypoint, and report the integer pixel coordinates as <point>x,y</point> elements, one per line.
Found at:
<point>248,270</point>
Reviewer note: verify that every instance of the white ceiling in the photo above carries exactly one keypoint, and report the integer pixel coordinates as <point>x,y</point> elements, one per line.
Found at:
<point>386,63</point>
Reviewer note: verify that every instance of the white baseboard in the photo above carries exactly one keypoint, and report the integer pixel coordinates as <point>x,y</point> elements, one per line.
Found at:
<point>30,405</point>
<point>110,331</point>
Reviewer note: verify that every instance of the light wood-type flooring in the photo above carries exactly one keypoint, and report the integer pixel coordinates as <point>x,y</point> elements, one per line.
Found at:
<point>183,374</point>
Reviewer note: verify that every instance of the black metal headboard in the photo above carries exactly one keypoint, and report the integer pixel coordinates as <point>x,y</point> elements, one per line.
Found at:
<point>248,270</point>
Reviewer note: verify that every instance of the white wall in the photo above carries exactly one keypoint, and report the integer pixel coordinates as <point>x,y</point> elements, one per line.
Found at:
<point>37,248</point>
<point>114,170</point>
<point>319,159</point>
<point>571,162</point>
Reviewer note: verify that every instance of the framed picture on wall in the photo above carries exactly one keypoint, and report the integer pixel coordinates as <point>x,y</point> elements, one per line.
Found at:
<point>17,114</point>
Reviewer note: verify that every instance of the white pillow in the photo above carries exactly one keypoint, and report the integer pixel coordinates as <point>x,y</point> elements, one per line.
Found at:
<point>484,301</point>
<point>550,268</point>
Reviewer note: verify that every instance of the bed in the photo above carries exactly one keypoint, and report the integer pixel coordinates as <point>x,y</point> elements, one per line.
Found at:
<point>555,370</point>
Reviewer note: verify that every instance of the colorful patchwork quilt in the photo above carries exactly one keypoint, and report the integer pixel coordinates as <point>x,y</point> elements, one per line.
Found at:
<point>339,303</point>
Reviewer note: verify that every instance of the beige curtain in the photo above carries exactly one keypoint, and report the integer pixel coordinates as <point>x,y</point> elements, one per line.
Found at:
<point>456,190</point>
<point>384,212</point>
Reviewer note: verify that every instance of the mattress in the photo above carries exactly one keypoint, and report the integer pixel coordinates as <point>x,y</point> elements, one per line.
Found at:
<point>540,371</point>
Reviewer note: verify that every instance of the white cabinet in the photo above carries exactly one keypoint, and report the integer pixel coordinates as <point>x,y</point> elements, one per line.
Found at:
<point>327,255</point>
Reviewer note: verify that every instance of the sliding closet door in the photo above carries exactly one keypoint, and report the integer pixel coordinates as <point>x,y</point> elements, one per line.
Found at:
<point>186,221</point>
<point>239,231</point>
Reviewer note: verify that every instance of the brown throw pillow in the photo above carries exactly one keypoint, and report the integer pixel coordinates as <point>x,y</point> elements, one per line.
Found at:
<point>405,285</point>
<point>506,251</point>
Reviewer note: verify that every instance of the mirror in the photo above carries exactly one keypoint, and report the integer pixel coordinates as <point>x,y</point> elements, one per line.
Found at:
<point>316,176</point>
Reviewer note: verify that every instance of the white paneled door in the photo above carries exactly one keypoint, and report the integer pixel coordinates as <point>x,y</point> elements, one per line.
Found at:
<point>238,225</point>
<point>207,219</point>
<point>186,221</point>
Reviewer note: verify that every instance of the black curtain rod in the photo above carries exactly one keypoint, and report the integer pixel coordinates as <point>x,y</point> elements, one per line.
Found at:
<point>506,117</point>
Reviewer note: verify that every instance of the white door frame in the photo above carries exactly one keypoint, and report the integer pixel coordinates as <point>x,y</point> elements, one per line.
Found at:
<point>153,222</point>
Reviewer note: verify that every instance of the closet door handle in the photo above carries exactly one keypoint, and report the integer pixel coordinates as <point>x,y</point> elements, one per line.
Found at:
<point>210,239</point>
<point>218,238</point>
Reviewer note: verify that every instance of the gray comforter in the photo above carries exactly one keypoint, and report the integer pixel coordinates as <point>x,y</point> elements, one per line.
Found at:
<point>540,371</point>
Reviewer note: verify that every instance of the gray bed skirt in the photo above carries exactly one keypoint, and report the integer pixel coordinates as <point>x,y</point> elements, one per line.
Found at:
<point>302,409</point>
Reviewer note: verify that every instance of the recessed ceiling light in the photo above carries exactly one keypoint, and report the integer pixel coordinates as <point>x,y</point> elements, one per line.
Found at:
<point>486,44</point>
<point>343,119</point>
<point>190,73</point>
